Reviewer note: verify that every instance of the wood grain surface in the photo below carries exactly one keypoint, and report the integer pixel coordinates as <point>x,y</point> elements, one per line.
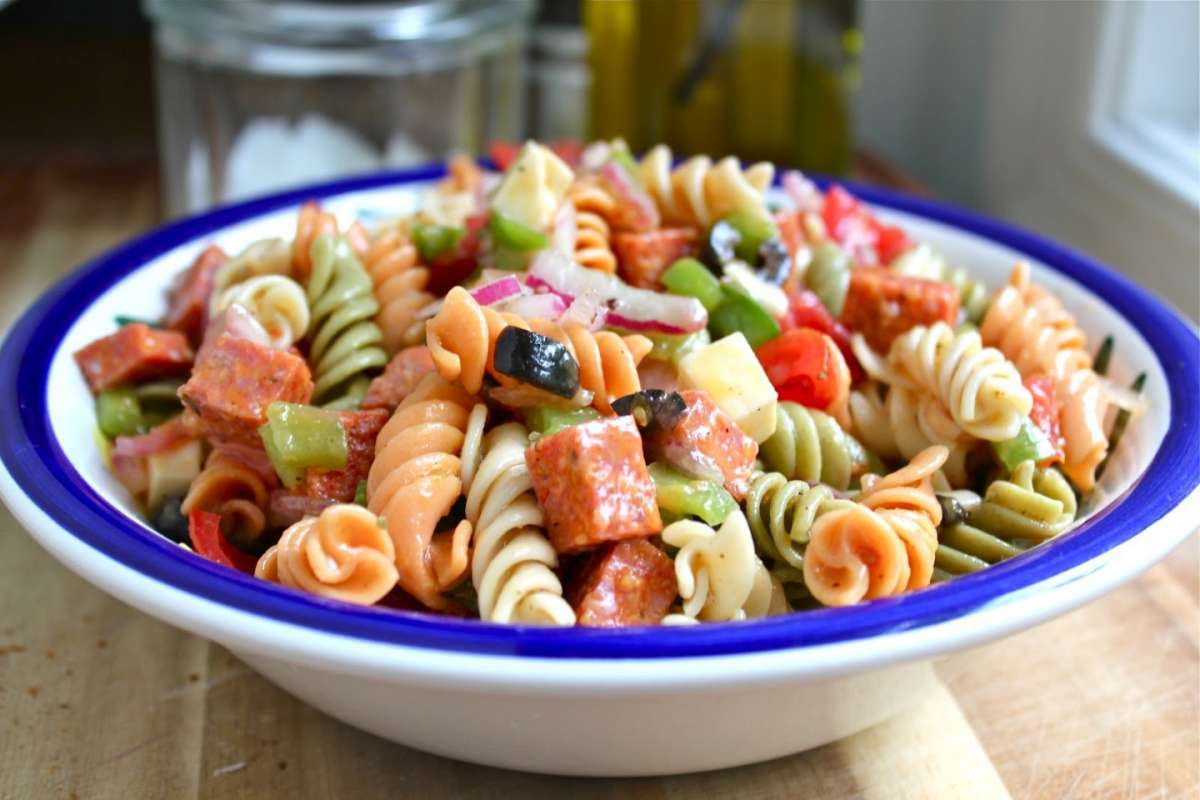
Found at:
<point>100,701</point>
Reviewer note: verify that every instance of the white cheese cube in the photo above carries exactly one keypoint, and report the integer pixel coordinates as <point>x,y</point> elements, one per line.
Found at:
<point>533,187</point>
<point>729,371</point>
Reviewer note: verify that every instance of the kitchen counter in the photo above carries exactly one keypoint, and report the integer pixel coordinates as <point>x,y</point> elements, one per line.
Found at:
<point>98,700</point>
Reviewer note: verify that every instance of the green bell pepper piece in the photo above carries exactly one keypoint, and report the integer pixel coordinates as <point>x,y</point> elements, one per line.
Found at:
<point>298,436</point>
<point>682,494</point>
<point>509,234</point>
<point>118,413</point>
<point>689,278</point>
<point>738,312</point>
<point>671,348</point>
<point>1030,444</point>
<point>435,240</point>
<point>755,232</point>
<point>549,420</point>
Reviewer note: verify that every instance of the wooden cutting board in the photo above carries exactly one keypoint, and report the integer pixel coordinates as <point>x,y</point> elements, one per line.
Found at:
<point>98,700</point>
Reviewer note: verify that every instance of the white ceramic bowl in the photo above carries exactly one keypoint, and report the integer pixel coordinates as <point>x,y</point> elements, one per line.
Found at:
<point>579,701</point>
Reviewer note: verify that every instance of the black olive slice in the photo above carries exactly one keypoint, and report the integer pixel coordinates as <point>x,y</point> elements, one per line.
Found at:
<point>652,409</point>
<point>720,246</point>
<point>776,262</point>
<point>537,360</point>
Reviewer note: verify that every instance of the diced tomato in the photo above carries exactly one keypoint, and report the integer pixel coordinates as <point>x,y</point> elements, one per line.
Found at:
<point>852,225</point>
<point>452,268</point>
<point>805,310</point>
<point>892,242</point>
<point>1045,413</point>
<point>204,529</point>
<point>569,150</point>
<point>799,365</point>
<point>503,154</point>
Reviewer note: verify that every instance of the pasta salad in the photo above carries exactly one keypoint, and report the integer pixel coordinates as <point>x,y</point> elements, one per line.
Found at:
<point>589,389</point>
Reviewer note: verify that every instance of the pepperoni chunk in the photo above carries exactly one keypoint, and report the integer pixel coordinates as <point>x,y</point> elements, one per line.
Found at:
<point>882,305</point>
<point>134,353</point>
<point>622,584</point>
<point>642,258</point>
<point>592,483</point>
<point>235,381</point>
<point>707,443</point>
<point>403,373</point>
<point>362,427</point>
<point>188,311</point>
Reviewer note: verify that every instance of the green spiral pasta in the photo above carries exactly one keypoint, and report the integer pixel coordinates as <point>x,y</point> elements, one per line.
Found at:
<point>781,513</point>
<point>343,339</point>
<point>809,445</point>
<point>828,275</point>
<point>1030,507</point>
<point>923,262</point>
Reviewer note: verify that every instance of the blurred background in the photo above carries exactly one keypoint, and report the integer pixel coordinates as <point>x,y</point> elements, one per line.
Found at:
<point>1079,120</point>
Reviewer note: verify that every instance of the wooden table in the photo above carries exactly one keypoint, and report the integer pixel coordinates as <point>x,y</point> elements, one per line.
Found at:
<point>99,700</point>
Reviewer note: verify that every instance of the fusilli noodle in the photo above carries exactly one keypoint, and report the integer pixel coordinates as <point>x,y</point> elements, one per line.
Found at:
<point>416,478</point>
<point>809,445</point>
<point>343,553</point>
<point>699,192</point>
<point>311,223</point>
<point>344,341</point>
<point>276,301</point>
<point>264,257</point>
<point>391,260</point>
<point>462,340</point>
<point>781,514</point>
<point>717,570</point>
<point>512,561</point>
<point>978,388</point>
<point>1030,326</point>
<point>903,423</point>
<point>593,208</point>
<point>237,492</point>
<point>1034,504</point>
<point>882,545</point>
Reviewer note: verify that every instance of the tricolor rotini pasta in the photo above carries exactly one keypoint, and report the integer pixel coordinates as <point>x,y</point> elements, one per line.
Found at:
<point>344,340</point>
<point>342,553</point>
<point>588,389</point>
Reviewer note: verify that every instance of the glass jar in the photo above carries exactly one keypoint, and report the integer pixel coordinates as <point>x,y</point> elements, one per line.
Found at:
<point>257,95</point>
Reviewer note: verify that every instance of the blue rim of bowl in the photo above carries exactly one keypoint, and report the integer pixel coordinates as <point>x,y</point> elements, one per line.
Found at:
<point>34,458</point>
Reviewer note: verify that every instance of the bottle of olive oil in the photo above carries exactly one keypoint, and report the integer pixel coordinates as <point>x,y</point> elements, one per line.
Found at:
<point>761,79</point>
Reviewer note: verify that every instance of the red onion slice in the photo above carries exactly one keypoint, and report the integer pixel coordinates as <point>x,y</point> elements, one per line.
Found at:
<point>628,307</point>
<point>494,292</point>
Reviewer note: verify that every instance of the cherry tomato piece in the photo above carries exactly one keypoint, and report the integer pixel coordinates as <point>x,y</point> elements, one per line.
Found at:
<point>1045,412</point>
<point>800,367</point>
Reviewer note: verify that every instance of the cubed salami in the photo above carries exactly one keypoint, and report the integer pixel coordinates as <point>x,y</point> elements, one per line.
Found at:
<point>882,305</point>
<point>622,584</point>
<point>233,384</point>
<point>188,312</point>
<point>592,483</point>
<point>707,443</point>
<point>136,352</point>
<point>362,427</point>
<point>642,258</point>
<point>403,373</point>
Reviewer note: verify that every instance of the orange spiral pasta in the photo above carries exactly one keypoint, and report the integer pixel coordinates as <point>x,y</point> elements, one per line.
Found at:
<point>1031,327</point>
<point>415,479</point>
<point>462,341</point>
<point>608,362</point>
<point>884,544</point>
<point>593,236</point>
<point>237,492</point>
<point>311,223</point>
<point>343,554</point>
<point>399,284</point>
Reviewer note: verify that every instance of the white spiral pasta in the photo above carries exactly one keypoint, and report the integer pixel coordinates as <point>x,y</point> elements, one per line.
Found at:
<point>264,257</point>
<point>512,560</point>
<point>699,192</point>
<point>979,390</point>
<point>277,302</point>
<point>903,423</point>
<point>718,574</point>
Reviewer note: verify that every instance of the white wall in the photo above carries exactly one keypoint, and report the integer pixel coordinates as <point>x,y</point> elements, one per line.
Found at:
<point>989,104</point>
